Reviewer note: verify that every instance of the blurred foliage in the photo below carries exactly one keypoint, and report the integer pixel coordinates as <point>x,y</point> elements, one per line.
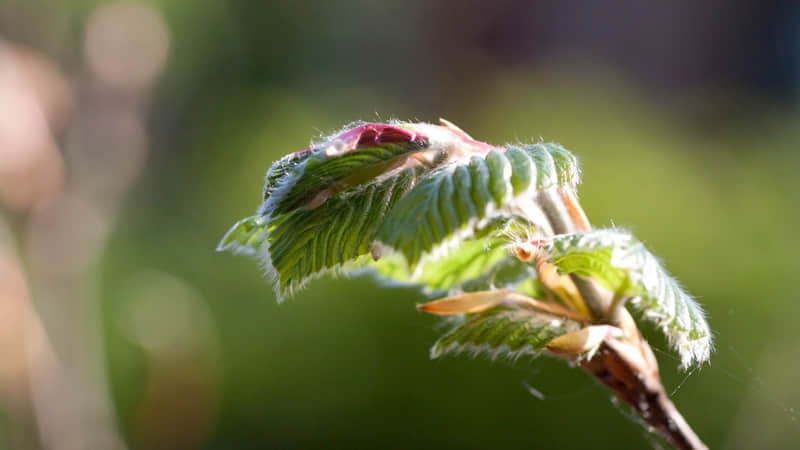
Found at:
<point>706,178</point>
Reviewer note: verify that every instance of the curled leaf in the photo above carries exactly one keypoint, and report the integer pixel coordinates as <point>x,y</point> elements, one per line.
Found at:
<point>503,330</point>
<point>451,202</point>
<point>245,237</point>
<point>323,205</point>
<point>623,265</point>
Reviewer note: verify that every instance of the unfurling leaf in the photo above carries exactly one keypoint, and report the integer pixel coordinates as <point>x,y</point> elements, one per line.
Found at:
<point>623,265</point>
<point>503,331</point>
<point>322,205</point>
<point>451,202</point>
<point>305,243</point>
<point>410,188</point>
<point>465,264</point>
<point>246,236</point>
<point>326,172</point>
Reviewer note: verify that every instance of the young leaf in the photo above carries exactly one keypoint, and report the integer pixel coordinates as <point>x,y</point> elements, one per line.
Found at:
<point>470,260</point>
<point>306,179</point>
<point>623,264</point>
<point>322,205</point>
<point>305,243</point>
<point>449,203</point>
<point>503,330</point>
<point>245,237</point>
<point>474,265</point>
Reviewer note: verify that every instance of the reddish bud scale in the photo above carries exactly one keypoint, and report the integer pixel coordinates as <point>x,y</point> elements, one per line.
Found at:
<point>372,135</point>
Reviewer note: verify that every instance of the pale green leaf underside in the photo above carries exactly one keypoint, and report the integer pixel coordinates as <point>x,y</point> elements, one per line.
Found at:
<point>508,272</point>
<point>469,260</point>
<point>476,264</point>
<point>503,331</point>
<point>454,199</point>
<point>245,237</point>
<point>623,264</point>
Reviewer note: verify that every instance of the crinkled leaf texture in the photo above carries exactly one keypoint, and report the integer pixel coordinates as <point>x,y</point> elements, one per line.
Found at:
<point>320,176</point>
<point>435,208</point>
<point>451,202</point>
<point>503,331</point>
<point>305,243</point>
<point>622,264</point>
<point>474,265</point>
<point>416,190</point>
<point>468,261</point>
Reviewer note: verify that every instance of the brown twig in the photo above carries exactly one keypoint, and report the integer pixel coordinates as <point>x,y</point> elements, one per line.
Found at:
<point>644,392</point>
<point>626,366</point>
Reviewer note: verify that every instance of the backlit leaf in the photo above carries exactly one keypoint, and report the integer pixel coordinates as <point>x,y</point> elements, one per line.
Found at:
<point>503,331</point>
<point>450,202</point>
<point>622,264</point>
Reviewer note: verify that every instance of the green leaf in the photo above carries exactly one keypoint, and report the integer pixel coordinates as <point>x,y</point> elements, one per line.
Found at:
<point>450,203</point>
<point>503,331</point>
<point>622,264</point>
<point>319,176</point>
<point>284,171</point>
<point>245,237</point>
<point>337,201</point>
<point>509,272</point>
<point>306,243</point>
<point>588,264</point>
<point>476,264</point>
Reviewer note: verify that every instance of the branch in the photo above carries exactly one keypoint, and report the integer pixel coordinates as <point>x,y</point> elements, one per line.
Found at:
<point>628,367</point>
<point>643,391</point>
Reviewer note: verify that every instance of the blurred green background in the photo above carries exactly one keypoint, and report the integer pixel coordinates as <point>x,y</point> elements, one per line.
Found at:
<point>134,133</point>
